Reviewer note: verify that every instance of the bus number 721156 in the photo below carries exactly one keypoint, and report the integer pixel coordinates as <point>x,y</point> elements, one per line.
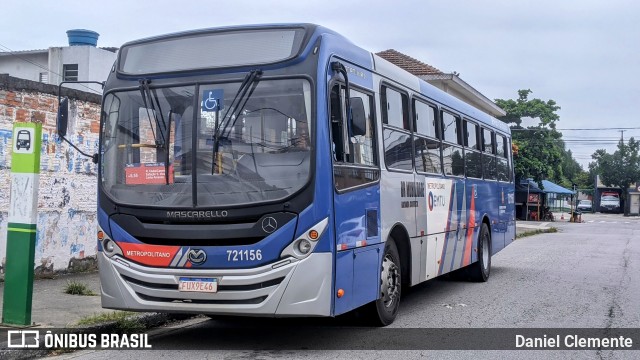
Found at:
<point>244,255</point>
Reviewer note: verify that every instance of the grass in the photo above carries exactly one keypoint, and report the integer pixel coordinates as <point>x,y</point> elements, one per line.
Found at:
<point>104,317</point>
<point>536,232</point>
<point>124,323</point>
<point>78,288</point>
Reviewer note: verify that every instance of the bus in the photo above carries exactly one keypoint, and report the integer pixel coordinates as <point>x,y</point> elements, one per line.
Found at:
<point>280,170</point>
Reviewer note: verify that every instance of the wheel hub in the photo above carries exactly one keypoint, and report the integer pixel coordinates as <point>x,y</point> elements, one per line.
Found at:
<point>390,282</point>
<point>485,251</point>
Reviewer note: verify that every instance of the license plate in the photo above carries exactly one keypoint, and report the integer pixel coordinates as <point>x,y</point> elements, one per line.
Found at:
<point>207,285</point>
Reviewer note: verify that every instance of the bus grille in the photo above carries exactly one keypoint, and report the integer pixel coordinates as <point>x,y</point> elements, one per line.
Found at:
<point>226,294</point>
<point>252,301</point>
<point>221,288</point>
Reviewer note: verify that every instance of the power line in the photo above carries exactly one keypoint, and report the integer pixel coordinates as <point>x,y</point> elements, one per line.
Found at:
<point>23,59</point>
<point>13,53</point>
<point>598,129</point>
<point>579,129</point>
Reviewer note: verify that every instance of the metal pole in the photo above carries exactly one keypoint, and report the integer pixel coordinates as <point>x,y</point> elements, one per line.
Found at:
<point>526,212</point>
<point>21,229</point>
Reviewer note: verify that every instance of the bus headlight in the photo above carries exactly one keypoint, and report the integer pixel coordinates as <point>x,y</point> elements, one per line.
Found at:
<point>305,243</point>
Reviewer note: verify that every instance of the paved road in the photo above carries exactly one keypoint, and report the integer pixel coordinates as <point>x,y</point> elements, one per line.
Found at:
<point>586,275</point>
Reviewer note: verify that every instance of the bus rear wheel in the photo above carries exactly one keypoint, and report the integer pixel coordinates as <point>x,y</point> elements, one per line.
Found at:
<point>384,310</point>
<point>480,270</point>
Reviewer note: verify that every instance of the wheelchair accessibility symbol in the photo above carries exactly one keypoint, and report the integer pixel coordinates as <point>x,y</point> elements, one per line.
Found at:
<point>212,100</point>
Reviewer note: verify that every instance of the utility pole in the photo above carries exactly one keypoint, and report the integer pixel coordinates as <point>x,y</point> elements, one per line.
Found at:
<point>622,135</point>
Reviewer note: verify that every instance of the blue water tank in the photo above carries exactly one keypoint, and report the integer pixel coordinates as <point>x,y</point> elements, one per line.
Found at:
<point>79,37</point>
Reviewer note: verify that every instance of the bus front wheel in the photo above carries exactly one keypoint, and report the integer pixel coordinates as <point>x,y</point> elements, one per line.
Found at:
<point>385,309</point>
<point>480,270</point>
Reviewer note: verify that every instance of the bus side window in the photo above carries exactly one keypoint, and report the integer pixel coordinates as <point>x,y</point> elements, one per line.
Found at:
<point>363,147</point>
<point>502,156</point>
<point>425,139</point>
<point>396,129</point>
<point>355,160</point>
<point>473,156</point>
<point>488,157</point>
<point>452,154</point>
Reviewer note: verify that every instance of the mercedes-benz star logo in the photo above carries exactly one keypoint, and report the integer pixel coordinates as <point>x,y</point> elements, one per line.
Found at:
<point>269,225</point>
<point>197,256</point>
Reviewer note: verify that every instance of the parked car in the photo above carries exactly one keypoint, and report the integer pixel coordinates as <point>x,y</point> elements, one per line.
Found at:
<point>585,205</point>
<point>610,202</point>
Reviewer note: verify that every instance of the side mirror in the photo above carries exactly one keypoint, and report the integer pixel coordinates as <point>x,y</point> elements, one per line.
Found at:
<point>63,117</point>
<point>358,118</point>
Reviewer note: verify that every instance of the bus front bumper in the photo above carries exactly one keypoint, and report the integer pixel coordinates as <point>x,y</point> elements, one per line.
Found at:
<point>299,288</point>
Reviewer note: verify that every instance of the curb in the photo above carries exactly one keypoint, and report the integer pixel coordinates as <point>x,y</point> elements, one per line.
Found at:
<point>146,320</point>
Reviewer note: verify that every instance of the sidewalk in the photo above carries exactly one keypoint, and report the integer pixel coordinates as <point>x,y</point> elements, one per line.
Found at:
<point>529,226</point>
<point>561,220</point>
<point>53,308</point>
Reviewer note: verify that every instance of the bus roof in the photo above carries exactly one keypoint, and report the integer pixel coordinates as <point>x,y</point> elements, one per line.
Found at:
<point>299,46</point>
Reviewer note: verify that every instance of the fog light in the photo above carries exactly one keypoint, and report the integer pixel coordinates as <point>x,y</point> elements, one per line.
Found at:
<point>109,246</point>
<point>304,246</point>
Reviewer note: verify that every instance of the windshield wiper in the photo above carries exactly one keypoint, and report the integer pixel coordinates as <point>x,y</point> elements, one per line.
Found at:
<point>163,140</point>
<point>238,103</point>
<point>146,93</point>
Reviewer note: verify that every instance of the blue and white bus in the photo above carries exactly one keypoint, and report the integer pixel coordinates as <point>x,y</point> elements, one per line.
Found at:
<point>280,170</point>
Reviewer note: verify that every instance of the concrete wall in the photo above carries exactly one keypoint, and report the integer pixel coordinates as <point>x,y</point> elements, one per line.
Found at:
<point>23,65</point>
<point>67,200</point>
<point>94,64</point>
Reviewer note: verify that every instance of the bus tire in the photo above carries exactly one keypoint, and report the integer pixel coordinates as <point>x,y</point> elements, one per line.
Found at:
<point>384,310</point>
<point>481,269</point>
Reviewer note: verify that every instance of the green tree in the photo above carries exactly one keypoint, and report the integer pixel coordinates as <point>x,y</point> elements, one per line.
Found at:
<point>620,169</point>
<point>573,173</point>
<point>539,147</point>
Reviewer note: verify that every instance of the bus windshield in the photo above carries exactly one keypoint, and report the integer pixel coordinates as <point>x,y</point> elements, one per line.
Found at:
<point>158,145</point>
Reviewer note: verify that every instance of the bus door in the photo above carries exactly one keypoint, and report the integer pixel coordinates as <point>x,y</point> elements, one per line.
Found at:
<point>356,202</point>
<point>505,189</point>
<point>454,197</point>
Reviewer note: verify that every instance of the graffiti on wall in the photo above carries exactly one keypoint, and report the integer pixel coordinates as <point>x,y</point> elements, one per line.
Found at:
<point>67,196</point>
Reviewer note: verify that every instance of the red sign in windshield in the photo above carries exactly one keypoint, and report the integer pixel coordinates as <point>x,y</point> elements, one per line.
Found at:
<point>153,173</point>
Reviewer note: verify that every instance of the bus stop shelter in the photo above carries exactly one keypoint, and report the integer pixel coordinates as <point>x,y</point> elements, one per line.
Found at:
<point>530,199</point>
<point>556,196</point>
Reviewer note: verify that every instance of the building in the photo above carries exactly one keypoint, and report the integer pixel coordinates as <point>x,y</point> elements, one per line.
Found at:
<point>449,83</point>
<point>29,92</point>
<point>82,60</point>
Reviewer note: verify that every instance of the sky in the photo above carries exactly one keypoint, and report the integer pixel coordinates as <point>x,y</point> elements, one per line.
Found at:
<point>585,54</point>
